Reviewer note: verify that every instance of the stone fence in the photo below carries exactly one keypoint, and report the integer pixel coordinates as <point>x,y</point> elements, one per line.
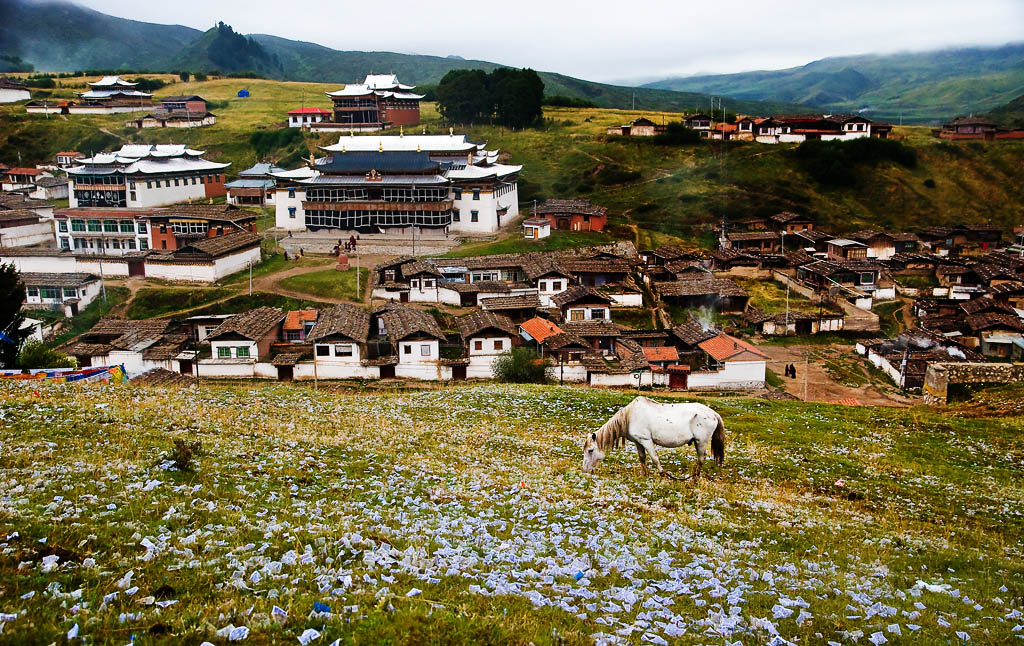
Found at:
<point>940,376</point>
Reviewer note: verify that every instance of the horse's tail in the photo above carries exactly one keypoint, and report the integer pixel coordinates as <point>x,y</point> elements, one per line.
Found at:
<point>718,442</point>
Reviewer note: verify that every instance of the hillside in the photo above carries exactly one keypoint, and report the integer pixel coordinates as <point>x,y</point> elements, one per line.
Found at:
<point>677,191</point>
<point>1011,114</point>
<point>55,35</point>
<point>461,515</point>
<point>920,86</point>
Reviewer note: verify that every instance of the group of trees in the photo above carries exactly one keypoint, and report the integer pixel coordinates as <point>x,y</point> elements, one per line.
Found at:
<point>508,97</point>
<point>16,350</point>
<point>839,163</point>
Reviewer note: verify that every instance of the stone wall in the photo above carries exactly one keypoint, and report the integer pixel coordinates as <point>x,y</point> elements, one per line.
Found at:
<point>940,376</point>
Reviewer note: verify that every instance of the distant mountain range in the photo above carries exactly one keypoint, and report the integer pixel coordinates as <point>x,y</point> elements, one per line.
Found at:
<point>920,86</point>
<point>55,35</point>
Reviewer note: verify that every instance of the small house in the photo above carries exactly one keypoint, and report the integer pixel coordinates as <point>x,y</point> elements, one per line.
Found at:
<point>339,340</point>
<point>66,293</point>
<point>536,228</point>
<point>583,303</point>
<point>304,117</point>
<point>485,336</point>
<point>789,222</point>
<point>246,337</point>
<point>573,215</point>
<point>297,325</point>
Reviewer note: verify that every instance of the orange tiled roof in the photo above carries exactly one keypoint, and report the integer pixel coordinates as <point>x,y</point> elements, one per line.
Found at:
<point>724,347</point>
<point>296,318</point>
<point>661,354</point>
<point>540,329</point>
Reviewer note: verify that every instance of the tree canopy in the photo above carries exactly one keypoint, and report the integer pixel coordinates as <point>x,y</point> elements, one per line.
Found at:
<point>506,96</point>
<point>12,296</point>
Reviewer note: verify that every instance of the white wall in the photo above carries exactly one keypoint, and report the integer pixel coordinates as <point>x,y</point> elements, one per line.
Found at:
<point>330,370</point>
<point>587,310</point>
<point>29,234</point>
<point>102,109</point>
<point>415,357</point>
<point>229,368</point>
<point>572,372</point>
<point>734,375</point>
<point>626,299</point>
<point>232,346</point>
<point>546,289</point>
<point>283,203</point>
<point>424,371</point>
<point>10,95</point>
<point>487,206</point>
<point>620,380</point>
<point>202,272</point>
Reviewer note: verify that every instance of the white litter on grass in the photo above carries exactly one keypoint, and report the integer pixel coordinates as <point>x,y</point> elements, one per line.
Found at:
<point>73,633</point>
<point>308,635</point>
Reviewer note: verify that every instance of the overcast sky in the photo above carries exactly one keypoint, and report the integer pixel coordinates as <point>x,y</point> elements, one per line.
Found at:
<point>606,40</point>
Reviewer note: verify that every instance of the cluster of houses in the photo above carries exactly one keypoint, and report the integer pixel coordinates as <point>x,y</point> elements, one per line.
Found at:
<point>777,129</point>
<point>973,127</point>
<point>562,305</point>
<point>380,101</point>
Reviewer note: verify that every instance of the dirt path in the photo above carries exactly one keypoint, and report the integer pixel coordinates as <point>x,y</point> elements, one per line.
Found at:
<point>813,381</point>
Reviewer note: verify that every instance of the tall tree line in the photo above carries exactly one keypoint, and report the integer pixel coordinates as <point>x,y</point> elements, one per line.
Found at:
<point>506,96</point>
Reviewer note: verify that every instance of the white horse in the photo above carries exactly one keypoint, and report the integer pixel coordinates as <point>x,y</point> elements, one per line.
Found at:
<point>646,422</point>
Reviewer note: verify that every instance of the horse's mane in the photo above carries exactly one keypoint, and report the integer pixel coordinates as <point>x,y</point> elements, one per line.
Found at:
<point>613,433</point>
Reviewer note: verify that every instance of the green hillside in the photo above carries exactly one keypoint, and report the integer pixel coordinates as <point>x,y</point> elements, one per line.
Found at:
<point>1011,114</point>
<point>678,191</point>
<point>919,87</point>
<point>59,36</point>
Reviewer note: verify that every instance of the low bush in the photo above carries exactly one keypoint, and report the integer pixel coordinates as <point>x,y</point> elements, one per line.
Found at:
<point>521,366</point>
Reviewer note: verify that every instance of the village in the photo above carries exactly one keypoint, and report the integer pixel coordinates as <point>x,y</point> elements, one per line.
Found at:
<point>610,315</point>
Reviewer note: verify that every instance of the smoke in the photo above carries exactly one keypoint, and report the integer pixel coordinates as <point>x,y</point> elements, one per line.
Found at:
<point>705,316</point>
<point>956,352</point>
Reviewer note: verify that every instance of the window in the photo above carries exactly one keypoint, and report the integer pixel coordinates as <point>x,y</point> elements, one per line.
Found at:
<point>455,216</point>
<point>129,244</point>
<point>94,225</point>
<point>458,193</point>
<point>142,227</point>
<point>323,350</point>
<point>478,345</point>
<point>78,225</point>
<point>343,350</point>
<point>193,181</point>
<point>70,292</point>
<point>62,226</point>
<point>132,196</point>
<point>292,335</point>
<point>291,210</point>
<point>224,353</point>
<point>149,183</point>
<point>499,344</point>
<point>425,350</point>
<point>176,181</point>
<point>556,286</point>
<point>428,283</point>
<point>190,227</point>
<point>163,244</point>
<point>127,226</point>
<point>474,216</point>
<point>33,291</point>
<point>476,194</point>
<point>597,314</point>
<point>242,351</point>
<point>406,349</point>
<point>143,244</point>
<point>575,315</point>
<point>291,192</point>
<point>116,244</point>
<point>867,278</point>
<point>65,243</point>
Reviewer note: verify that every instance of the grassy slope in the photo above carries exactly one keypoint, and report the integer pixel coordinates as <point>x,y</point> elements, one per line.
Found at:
<point>920,86</point>
<point>152,302</point>
<point>678,190</point>
<point>842,509</point>
<point>329,283</point>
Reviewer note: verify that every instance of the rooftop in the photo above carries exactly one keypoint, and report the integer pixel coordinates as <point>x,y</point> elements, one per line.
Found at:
<point>349,321</point>
<point>724,347</point>
<point>478,321</point>
<point>253,325</point>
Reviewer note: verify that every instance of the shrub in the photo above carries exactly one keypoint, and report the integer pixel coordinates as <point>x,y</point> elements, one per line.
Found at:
<point>562,101</point>
<point>183,453</point>
<point>837,163</point>
<point>676,134</point>
<point>199,76</point>
<point>929,183</point>
<point>184,76</point>
<point>35,354</point>
<point>521,366</point>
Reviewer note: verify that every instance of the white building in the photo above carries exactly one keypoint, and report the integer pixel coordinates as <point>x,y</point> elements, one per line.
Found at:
<point>485,336</point>
<point>67,293</point>
<point>143,175</point>
<point>22,228</point>
<point>305,117</point>
<point>110,95</point>
<point>103,231</point>
<point>339,344</point>
<point>445,182</point>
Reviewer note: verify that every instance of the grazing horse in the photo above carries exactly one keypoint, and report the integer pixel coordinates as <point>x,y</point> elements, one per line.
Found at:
<point>646,422</point>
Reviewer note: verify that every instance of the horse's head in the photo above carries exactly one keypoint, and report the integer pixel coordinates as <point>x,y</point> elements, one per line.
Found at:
<point>592,454</point>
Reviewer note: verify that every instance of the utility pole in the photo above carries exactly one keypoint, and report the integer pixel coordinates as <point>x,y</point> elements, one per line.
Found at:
<point>250,278</point>
<point>103,282</point>
<point>359,292</point>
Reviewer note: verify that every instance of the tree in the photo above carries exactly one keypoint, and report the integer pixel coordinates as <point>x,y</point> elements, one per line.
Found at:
<point>521,366</point>
<point>507,96</point>
<point>12,297</point>
<point>35,354</point>
<point>518,96</point>
<point>184,76</point>
<point>464,97</point>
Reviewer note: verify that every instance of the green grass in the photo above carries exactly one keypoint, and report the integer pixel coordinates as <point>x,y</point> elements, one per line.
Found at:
<point>91,314</point>
<point>889,318</point>
<point>926,281</point>
<point>245,302</point>
<point>772,379</point>
<point>770,296</point>
<point>448,489</point>
<point>271,264</point>
<point>152,302</point>
<point>633,317</point>
<point>557,241</point>
<point>329,283</point>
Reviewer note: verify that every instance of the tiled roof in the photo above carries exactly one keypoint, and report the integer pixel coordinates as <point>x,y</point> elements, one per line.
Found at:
<point>984,303</point>
<point>723,347</point>
<point>540,329</point>
<point>163,377</point>
<point>478,321</point>
<point>571,207</point>
<point>693,332</point>
<point>296,318</point>
<point>981,322</point>
<point>221,245</point>
<point>661,354</point>
<point>167,347</point>
<point>564,339</point>
<point>401,322</point>
<point>518,302</point>
<point>592,328</point>
<point>699,286</point>
<point>752,235</point>
<point>349,321</point>
<point>788,216</point>
<point>118,327</point>
<point>595,265</point>
<point>226,212</point>
<point>286,359</point>
<point>253,325</point>
<point>578,293</point>
<point>57,280</point>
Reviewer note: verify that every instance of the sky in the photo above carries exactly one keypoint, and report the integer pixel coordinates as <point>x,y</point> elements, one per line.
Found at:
<point>602,40</point>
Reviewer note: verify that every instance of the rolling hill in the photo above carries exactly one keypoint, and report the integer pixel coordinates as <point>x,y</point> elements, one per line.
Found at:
<point>59,36</point>
<point>1011,114</point>
<point>920,86</point>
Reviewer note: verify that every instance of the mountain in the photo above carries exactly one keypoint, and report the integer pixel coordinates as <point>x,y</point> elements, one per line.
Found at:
<point>1011,114</point>
<point>920,86</point>
<point>55,35</point>
<point>61,36</point>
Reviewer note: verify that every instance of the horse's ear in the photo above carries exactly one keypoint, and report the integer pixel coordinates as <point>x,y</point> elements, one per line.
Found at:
<point>593,436</point>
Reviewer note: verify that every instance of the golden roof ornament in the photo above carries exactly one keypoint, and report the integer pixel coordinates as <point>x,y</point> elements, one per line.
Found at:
<point>380,145</point>
<point>401,131</point>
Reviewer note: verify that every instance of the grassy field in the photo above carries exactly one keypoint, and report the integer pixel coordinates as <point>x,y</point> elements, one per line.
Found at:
<point>244,302</point>
<point>557,241</point>
<point>462,515</point>
<point>329,283</point>
<point>671,192</point>
<point>151,302</point>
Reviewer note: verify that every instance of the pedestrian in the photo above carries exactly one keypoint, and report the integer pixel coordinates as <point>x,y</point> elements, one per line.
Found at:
<point>352,242</point>
<point>301,252</point>
<point>792,370</point>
